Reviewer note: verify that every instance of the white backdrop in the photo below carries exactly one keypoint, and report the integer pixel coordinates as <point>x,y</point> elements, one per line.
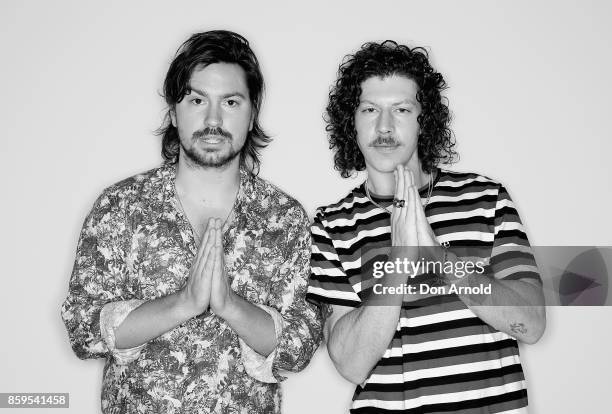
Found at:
<point>79,98</point>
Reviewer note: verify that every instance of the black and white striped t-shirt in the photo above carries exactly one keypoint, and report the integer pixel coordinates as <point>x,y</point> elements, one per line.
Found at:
<point>442,358</point>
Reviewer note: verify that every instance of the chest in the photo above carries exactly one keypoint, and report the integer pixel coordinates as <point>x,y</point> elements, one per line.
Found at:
<point>198,214</point>
<point>163,249</point>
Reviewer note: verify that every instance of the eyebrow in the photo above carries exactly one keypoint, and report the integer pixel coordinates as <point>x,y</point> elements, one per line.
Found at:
<point>404,101</point>
<point>224,96</point>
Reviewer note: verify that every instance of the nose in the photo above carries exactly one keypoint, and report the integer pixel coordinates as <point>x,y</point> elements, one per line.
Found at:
<point>213,116</point>
<point>384,123</point>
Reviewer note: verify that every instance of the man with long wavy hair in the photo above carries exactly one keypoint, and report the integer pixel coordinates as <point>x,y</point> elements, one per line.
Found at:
<point>418,339</point>
<point>190,278</point>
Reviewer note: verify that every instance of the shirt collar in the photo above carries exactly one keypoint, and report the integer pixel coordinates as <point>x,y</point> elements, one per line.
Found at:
<point>246,192</point>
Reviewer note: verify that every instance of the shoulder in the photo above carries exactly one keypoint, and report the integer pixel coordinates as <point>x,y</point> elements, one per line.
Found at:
<point>470,188</point>
<point>457,179</point>
<point>345,207</point>
<point>272,202</point>
<point>133,189</point>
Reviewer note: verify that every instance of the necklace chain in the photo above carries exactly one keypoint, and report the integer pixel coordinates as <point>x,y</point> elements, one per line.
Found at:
<point>388,210</point>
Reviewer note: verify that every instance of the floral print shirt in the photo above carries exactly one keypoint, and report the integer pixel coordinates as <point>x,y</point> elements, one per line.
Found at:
<point>136,244</point>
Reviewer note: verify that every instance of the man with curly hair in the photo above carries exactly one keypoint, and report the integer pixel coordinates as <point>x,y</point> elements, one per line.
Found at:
<point>190,279</point>
<point>433,342</point>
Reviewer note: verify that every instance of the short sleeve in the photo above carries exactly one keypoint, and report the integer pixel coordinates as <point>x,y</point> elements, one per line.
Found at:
<point>511,257</point>
<point>329,284</point>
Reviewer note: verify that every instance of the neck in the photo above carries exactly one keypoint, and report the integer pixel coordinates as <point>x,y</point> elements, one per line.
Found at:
<point>383,183</point>
<point>208,185</point>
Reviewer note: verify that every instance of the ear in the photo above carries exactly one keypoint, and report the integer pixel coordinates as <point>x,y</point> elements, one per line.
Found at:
<point>173,116</point>
<point>252,121</point>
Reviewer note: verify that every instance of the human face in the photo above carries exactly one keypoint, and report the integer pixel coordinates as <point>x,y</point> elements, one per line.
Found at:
<point>214,118</point>
<point>386,123</point>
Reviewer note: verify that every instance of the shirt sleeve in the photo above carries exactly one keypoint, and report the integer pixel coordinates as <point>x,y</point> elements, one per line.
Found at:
<point>302,321</point>
<point>111,316</point>
<point>511,257</point>
<point>99,276</point>
<point>255,364</point>
<point>329,283</point>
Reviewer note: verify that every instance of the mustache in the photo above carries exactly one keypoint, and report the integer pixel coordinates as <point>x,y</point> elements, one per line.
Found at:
<point>384,140</point>
<point>212,131</point>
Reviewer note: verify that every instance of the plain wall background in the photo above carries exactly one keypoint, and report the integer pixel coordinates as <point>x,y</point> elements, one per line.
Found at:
<point>79,98</point>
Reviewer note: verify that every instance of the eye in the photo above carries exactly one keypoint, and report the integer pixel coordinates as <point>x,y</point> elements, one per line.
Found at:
<point>232,103</point>
<point>197,101</point>
<point>368,110</point>
<point>404,110</point>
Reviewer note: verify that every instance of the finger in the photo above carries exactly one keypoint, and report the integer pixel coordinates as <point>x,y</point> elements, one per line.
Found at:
<point>203,249</point>
<point>210,243</point>
<point>399,194</point>
<point>218,235</point>
<point>425,227</point>
<point>410,177</point>
<point>217,263</point>
<point>203,242</point>
<point>426,234</point>
<point>219,224</point>
<point>210,263</point>
<point>411,201</point>
<point>411,191</point>
<point>399,181</point>
<point>406,194</point>
<point>394,211</point>
<point>198,263</point>
<point>418,208</point>
<point>421,216</point>
<point>210,223</point>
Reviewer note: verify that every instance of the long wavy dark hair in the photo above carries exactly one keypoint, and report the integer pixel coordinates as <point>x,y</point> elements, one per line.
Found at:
<point>201,50</point>
<point>435,140</point>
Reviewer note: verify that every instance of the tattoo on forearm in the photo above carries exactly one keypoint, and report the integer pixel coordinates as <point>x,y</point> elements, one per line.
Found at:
<point>518,328</point>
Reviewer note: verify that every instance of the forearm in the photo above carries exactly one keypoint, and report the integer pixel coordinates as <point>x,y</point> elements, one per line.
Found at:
<point>515,307</point>
<point>252,324</point>
<point>367,331</point>
<point>359,339</point>
<point>152,319</point>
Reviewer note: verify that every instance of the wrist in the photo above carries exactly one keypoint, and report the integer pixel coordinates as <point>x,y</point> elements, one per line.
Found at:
<point>230,307</point>
<point>184,306</point>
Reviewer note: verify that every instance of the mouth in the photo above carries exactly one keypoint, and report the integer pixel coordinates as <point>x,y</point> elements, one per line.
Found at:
<point>212,139</point>
<point>385,148</point>
<point>384,142</point>
<point>385,145</point>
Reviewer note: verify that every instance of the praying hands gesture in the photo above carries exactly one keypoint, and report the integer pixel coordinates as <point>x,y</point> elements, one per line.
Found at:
<point>207,287</point>
<point>409,226</point>
<point>411,234</point>
<point>207,284</point>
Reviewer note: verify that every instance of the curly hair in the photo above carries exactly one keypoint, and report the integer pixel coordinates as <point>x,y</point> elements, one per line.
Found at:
<point>200,50</point>
<point>435,140</point>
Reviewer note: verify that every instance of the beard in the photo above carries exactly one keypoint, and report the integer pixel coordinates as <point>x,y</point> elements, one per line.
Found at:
<point>210,159</point>
<point>217,158</point>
